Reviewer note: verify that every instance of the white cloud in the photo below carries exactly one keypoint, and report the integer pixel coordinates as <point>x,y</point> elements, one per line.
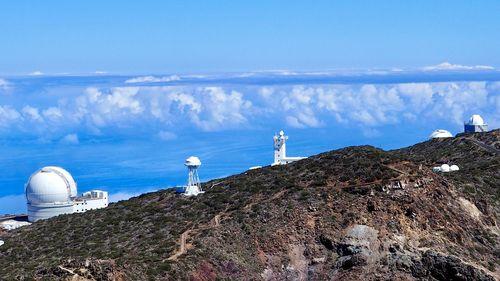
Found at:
<point>207,108</point>
<point>266,92</point>
<point>101,109</point>
<point>153,79</point>
<point>303,120</point>
<point>300,105</point>
<point>219,110</point>
<point>294,122</point>
<point>52,113</point>
<point>36,73</point>
<point>382,104</point>
<point>283,72</point>
<point>371,133</point>
<point>185,101</point>
<point>8,115</point>
<point>451,101</point>
<point>32,113</point>
<point>123,98</point>
<point>4,84</point>
<point>449,66</point>
<point>70,139</point>
<point>166,135</point>
<point>367,105</point>
<point>420,94</point>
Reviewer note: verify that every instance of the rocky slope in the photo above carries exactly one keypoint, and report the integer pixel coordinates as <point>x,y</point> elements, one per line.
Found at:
<point>358,213</point>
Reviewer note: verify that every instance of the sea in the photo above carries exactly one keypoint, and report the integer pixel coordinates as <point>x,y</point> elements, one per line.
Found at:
<point>130,134</point>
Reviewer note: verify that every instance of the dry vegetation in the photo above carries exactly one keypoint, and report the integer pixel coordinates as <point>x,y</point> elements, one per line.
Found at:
<point>331,216</point>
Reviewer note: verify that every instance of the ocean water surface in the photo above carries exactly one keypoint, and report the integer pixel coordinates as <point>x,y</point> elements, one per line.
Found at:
<point>130,134</point>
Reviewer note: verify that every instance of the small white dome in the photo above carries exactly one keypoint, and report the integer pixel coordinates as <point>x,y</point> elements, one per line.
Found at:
<point>49,185</point>
<point>454,168</point>
<point>445,168</point>
<point>476,119</point>
<point>440,134</point>
<point>193,161</point>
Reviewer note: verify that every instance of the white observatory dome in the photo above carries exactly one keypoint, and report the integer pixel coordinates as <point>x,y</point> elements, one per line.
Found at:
<point>440,134</point>
<point>50,185</point>
<point>50,192</point>
<point>454,168</point>
<point>477,120</point>
<point>445,168</point>
<point>193,161</point>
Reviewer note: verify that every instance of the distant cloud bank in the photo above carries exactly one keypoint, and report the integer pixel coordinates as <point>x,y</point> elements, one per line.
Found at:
<point>70,139</point>
<point>160,111</point>
<point>152,79</point>
<point>449,66</point>
<point>3,84</point>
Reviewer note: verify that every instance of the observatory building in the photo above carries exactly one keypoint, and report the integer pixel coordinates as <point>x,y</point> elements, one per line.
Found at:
<point>280,157</point>
<point>439,134</point>
<point>51,191</point>
<point>475,125</point>
<point>445,168</point>
<point>193,186</point>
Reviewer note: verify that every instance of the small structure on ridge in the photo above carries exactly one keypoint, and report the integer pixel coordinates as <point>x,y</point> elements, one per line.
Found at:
<point>280,157</point>
<point>193,186</point>
<point>475,124</point>
<point>445,168</point>
<point>440,134</point>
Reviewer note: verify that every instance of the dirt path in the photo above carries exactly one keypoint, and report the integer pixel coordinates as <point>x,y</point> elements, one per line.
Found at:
<point>182,249</point>
<point>215,222</point>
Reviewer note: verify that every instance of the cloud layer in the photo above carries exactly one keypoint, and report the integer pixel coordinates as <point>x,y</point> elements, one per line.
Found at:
<point>160,111</point>
<point>449,66</point>
<point>152,79</point>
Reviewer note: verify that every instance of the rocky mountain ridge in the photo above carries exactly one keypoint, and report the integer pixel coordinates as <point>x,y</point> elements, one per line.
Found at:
<point>357,213</point>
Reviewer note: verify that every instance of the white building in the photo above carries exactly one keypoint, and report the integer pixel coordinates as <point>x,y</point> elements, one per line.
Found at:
<point>439,134</point>
<point>90,200</point>
<point>193,186</point>
<point>13,224</point>
<point>52,191</point>
<point>445,168</point>
<point>475,124</point>
<point>280,157</point>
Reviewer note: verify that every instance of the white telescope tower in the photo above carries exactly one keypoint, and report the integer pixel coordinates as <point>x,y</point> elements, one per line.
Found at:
<point>280,157</point>
<point>193,187</point>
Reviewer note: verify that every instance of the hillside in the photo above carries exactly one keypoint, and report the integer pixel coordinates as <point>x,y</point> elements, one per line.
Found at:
<point>358,213</point>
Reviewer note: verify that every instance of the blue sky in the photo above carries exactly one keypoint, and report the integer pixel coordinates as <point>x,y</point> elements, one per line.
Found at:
<point>121,92</point>
<point>130,37</point>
